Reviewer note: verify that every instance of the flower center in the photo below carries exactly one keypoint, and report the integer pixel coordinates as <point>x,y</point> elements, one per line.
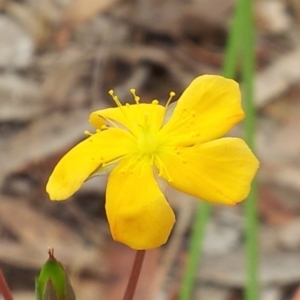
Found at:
<point>147,141</point>
<point>144,121</point>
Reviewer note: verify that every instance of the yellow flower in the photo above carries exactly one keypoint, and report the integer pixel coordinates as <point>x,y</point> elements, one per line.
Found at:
<point>141,145</point>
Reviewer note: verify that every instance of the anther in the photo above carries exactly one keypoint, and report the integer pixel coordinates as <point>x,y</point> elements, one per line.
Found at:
<point>135,97</point>
<point>155,101</point>
<point>171,95</point>
<point>115,98</point>
<point>86,132</point>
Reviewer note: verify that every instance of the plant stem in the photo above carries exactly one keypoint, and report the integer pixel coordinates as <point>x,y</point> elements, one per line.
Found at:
<point>231,58</point>
<point>135,274</point>
<point>240,45</point>
<point>233,47</point>
<point>4,289</point>
<point>252,251</point>
<point>194,253</point>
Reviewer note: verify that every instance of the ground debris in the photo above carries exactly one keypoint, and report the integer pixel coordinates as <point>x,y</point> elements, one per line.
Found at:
<point>59,58</point>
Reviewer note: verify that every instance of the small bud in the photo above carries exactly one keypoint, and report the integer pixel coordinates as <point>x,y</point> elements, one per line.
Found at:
<point>53,282</point>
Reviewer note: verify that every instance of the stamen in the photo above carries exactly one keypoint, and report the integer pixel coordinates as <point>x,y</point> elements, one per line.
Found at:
<point>108,163</point>
<point>115,98</point>
<point>161,168</point>
<point>152,159</point>
<point>146,115</point>
<point>130,163</point>
<point>155,102</point>
<point>177,155</point>
<point>144,163</point>
<point>88,133</point>
<point>171,95</point>
<point>124,109</point>
<point>135,97</point>
<point>187,119</point>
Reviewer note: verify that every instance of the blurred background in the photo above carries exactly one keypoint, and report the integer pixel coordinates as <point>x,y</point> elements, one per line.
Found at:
<point>58,59</point>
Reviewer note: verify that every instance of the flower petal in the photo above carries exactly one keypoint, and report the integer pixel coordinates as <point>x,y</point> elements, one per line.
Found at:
<point>81,161</point>
<point>208,108</point>
<point>219,171</point>
<point>133,117</point>
<point>138,213</point>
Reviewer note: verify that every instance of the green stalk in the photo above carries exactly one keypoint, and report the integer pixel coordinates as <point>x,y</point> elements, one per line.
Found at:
<point>251,212</point>
<point>240,44</point>
<point>233,47</point>
<point>195,250</point>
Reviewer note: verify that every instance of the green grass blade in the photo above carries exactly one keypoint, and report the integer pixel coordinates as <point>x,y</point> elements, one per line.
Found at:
<point>233,47</point>
<point>251,211</point>
<point>240,45</point>
<point>195,250</point>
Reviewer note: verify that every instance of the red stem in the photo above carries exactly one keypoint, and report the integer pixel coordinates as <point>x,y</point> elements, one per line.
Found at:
<point>4,289</point>
<point>134,276</point>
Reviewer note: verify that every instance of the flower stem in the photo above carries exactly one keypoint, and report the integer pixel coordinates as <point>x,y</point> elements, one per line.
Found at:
<point>4,289</point>
<point>135,274</point>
